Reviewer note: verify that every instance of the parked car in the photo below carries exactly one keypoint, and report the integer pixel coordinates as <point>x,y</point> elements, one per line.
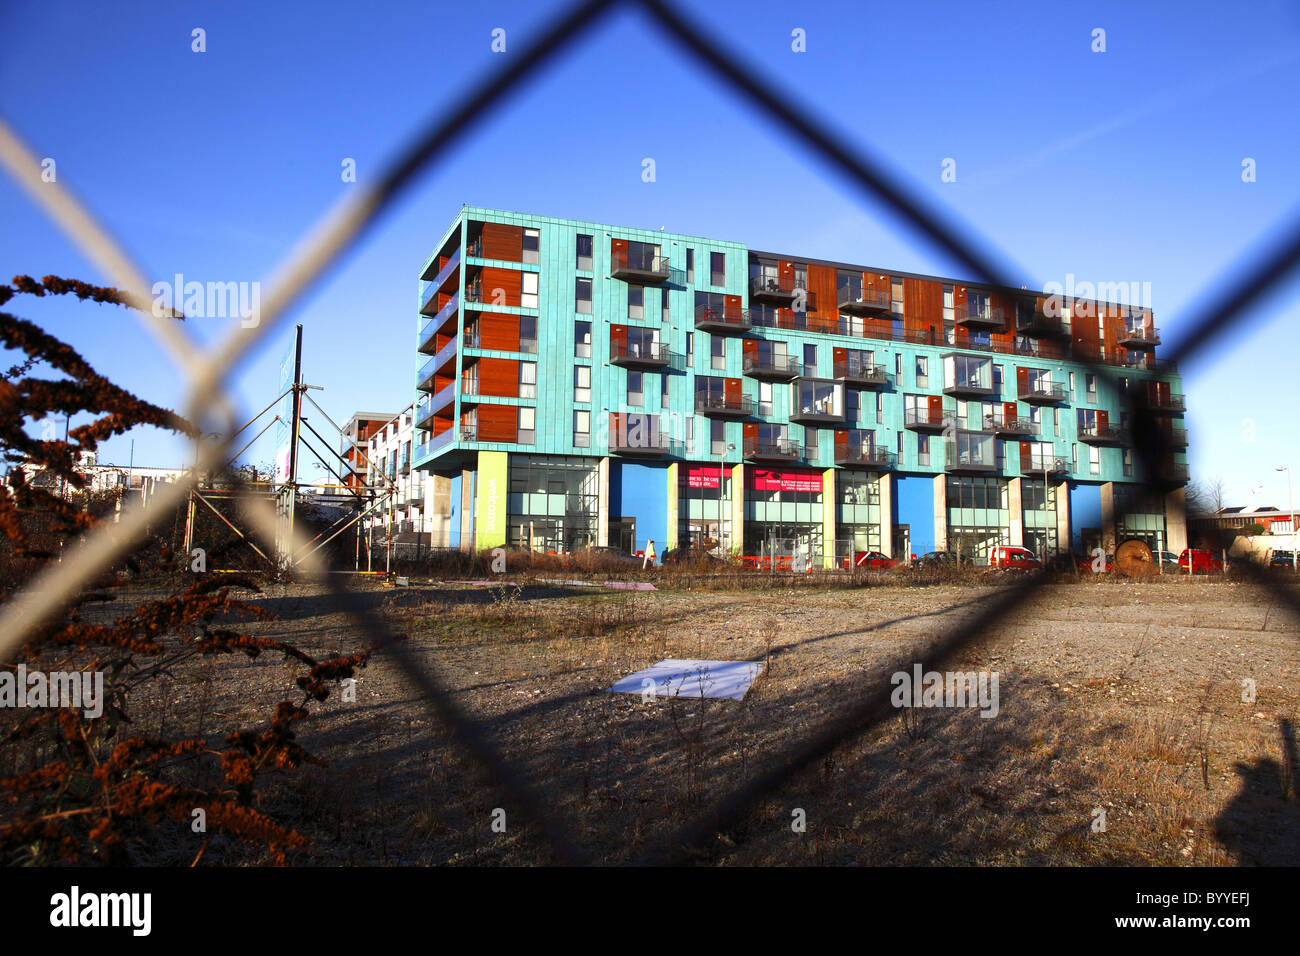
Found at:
<point>1013,558</point>
<point>1281,559</point>
<point>1084,564</point>
<point>870,559</point>
<point>936,559</point>
<point>1202,561</point>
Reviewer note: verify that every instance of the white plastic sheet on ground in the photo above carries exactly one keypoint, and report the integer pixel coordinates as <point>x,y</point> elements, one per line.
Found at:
<point>723,680</point>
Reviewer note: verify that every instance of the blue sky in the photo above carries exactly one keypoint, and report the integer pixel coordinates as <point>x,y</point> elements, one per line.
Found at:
<point>1115,166</point>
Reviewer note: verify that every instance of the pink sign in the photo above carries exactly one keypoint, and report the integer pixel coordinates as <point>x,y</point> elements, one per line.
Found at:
<point>767,480</point>
<point>702,477</point>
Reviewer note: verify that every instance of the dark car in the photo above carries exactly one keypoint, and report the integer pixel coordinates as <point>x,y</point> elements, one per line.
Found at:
<point>1281,559</point>
<point>936,559</point>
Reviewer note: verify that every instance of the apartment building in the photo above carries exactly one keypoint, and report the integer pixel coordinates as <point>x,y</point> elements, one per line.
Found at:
<point>418,508</point>
<point>356,436</point>
<point>589,384</point>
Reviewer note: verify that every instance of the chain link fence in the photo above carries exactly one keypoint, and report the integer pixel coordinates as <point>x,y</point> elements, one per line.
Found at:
<point>208,369</point>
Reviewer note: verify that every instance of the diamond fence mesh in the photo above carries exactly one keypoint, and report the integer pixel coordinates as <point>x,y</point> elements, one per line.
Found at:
<point>207,371</point>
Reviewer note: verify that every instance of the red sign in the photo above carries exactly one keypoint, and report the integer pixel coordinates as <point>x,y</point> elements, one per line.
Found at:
<point>702,477</point>
<point>767,480</point>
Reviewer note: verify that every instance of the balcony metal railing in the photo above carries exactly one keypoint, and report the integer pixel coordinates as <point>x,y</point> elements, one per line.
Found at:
<point>1041,391</point>
<point>447,270</point>
<point>977,385</point>
<point>925,418</point>
<point>712,403</point>
<point>1175,437</point>
<point>638,266</point>
<point>864,454</point>
<point>1167,403</point>
<point>1001,425</point>
<point>1142,336</point>
<point>857,301</point>
<point>861,372</point>
<point>771,288</point>
<point>639,353</point>
<point>1056,465</point>
<point>969,459</point>
<point>973,316</point>
<point>637,434</point>
<point>771,365</point>
<point>781,449</point>
<point>1175,471</point>
<point>1102,434</point>
<point>725,319</point>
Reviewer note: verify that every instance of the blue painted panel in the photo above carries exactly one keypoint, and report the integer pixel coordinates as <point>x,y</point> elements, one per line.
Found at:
<point>640,491</point>
<point>454,516</point>
<point>914,501</point>
<point>1085,512</point>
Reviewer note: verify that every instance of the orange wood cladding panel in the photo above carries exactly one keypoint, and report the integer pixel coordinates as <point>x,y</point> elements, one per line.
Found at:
<point>506,280</point>
<point>1084,330</point>
<point>924,308</point>
<point>1103,418</point>
<point>499,377</point>
<point>785,270</point>
<point>936,407</point>
<point>750,430</point>
<point>1000,303</point>
<point>1008,411</point>
<point>618,337</point>
<point>1110,329</point>
<point>839,355</point>
<point>498,330</point>
<point>503,242</point>
<point>877,282</point>
<point>497,422</point>
<point>748,346</point>
<point>731,389</point>
<point>444,378</point>
<point>821,283</point>
<point>1026,456</point>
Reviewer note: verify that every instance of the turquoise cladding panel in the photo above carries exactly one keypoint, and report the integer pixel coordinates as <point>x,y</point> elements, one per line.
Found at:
<point>640,491</point>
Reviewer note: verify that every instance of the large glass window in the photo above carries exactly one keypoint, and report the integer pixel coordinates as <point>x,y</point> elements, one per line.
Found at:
<point>584,253</point>
<point>528,290</point>
<point>582,296</point>
<point>582,340</point>
<point>717,268</point>
<point>582,383</point>
<point>553,502</point>
<point>532,241</point>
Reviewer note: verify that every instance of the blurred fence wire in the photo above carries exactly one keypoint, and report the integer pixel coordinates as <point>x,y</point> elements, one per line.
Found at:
<point>207,372</point>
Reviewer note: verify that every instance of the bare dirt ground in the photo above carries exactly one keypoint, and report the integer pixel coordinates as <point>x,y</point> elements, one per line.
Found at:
<point>1117,698</point>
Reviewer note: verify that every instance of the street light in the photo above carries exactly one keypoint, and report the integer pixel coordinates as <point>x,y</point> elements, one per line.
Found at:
<point>722,460</point>
<point>1290,505</point>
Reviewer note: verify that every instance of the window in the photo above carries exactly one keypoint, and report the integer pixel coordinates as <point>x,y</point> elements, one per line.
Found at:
<point>635,302</point>
<point>1094,460</point>
<point>528,334</point>
<point>635,388</point>
<point>690,435</point>
<point>880,408</point>
<point>1071,385</point>
<point>717,437</point>
<point>664,311</point>
<point>582,296</point>
<point>810,360</point>
<point>765,399</point>
<point>1090,385</point>
<point>1056,422</point>
<point>718,352</point>
<point>532,239</point>
<point>582,340</point>
<point>997,378</point>
<point>812,445</point>
<point>528,290</point>
<point>1126,457</point>
<point>922,372</point>
<point>922,449</point>
<point>949,315</point>
<point>527,379</point>
<point>582,383</point>
<point>664,379</point>
<point>717,268</point>
<point>690,265</point>
<point>527,433</point>
<point>690,350</point>
<point>584,253</point>
<point>896,296</point>
<point>852,398</point>
<point>582,428</point>
<point>898,365</point>
<point>1074,457</point>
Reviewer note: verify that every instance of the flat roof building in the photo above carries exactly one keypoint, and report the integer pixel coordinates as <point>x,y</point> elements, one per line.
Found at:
<point>589,384</point>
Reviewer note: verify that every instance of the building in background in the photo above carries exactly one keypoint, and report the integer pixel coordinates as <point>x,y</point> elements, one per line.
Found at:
<point>588,384</point>
<point>356,434</point>
<point>418,510</point>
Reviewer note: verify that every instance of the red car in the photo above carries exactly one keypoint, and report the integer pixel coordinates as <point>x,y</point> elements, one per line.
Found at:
<point>1009,556</point>
<point>1084,564</point>
<point>870,559</point>
<point>1202,561</point>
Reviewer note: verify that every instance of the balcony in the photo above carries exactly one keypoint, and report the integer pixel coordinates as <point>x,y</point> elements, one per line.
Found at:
<point>1139,337</point>
<point>854,371</point>
<point>971,387</point>
<point>1169,404</point>
<point>1173,472</point>
<point>639,354</point>
<point>925,419</point>
<point>867,302</point>
<point>1102,435</point>
<point>423,413</point>
<point>1054,466</point>
<point>1005,427</point>
<point>973,317</point>
<point>435,443</point>
<point>1033,321</point>
<point>816,402</point>
<point>1040,392</point>
<point>726,319</point>
<point>970,460</point>
<point>445,273</point>
<point>636,434</point>
<point>1175,437</point>
<point>638,267</point>
<point>778,368</point>
<point>716,405</point>
<point>778,290</point>
<point>468,431</point>
<point>863,454</point>
<point>773,449</point>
